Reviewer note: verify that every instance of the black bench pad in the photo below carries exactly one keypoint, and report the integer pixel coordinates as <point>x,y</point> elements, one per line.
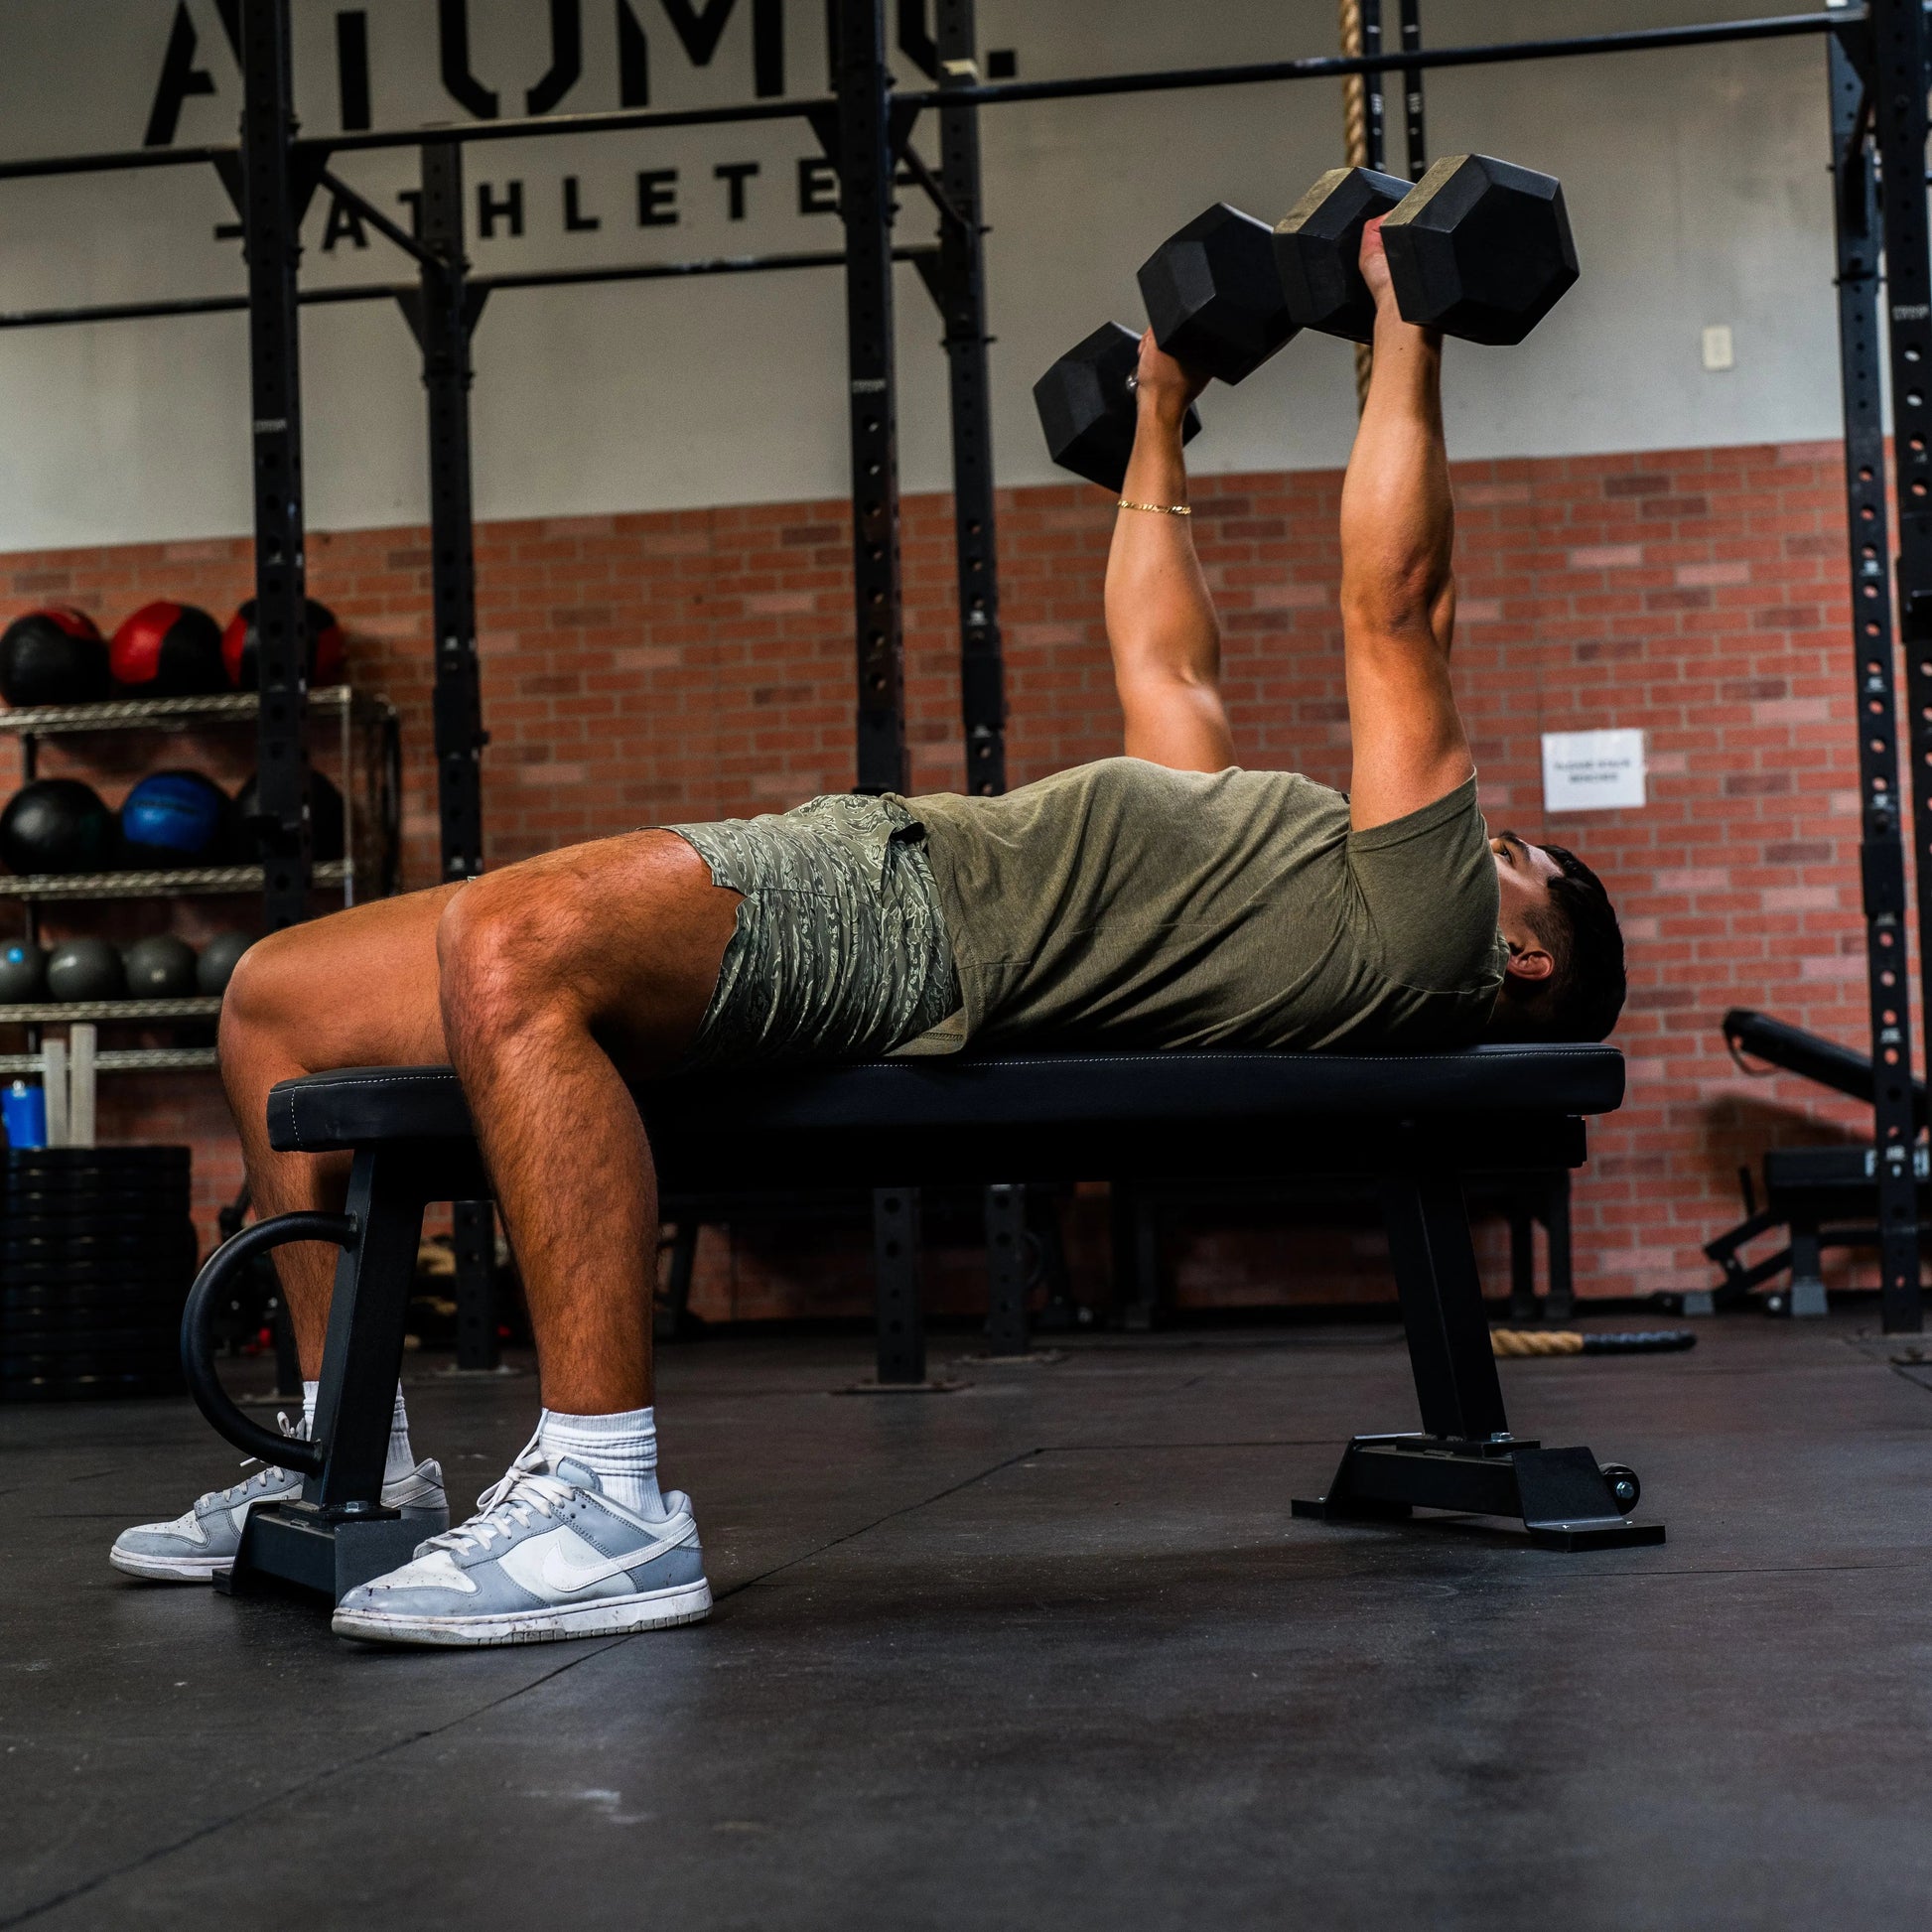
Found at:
<point>361,1106</point>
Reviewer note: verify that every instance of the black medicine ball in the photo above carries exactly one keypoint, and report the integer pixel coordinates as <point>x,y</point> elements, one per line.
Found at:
<point>52,657</point>
<point>160,968</point>
<point>218,960</point>
<point>86,969</point>
<point>56,825</point>
<point>168,650</point>
<point>326,821</point>
<point>22,972</point>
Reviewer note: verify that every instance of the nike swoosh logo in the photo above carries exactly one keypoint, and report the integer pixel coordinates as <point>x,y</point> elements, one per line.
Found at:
<point>565,1578</point>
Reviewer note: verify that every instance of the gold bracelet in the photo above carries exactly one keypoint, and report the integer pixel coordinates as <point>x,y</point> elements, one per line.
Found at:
<point>1156,510</point>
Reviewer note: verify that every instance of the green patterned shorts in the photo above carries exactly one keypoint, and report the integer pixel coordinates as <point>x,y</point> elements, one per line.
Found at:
<point>841,951</point>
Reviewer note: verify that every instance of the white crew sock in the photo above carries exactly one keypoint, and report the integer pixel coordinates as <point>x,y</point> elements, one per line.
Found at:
<point>403,1459</point>
<point>620,1451</point>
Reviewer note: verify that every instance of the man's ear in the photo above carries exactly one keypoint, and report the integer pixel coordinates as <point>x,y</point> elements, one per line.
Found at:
<point>1530,962</point>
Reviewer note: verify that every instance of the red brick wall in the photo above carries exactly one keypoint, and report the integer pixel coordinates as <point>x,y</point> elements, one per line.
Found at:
<point>657,668</point>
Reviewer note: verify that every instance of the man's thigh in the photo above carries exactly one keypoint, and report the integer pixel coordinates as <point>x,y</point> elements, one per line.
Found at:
<point>628,931</point>
<point>355,988</point>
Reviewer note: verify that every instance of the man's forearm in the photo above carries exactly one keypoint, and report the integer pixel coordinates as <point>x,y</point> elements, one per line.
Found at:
<point>1398,517</point>
<point>1160,617</point>
<point>1160,628</point>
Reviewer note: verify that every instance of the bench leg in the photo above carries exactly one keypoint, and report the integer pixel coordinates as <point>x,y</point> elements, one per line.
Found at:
<point>1522,1261</point>
<point>671,1318</point>
<point>1137,1257</point>
<point>895,1264</point>
<point>287,1363</point>
<point>1061,1312</point>
<point>340,1534</point>
<point>1807,1273</point>
<point>1441,1293</point>
<point>476,1286</point>
<point>1562,1304</point>
<point>1466,1461</point>
<point>1006,1271</point>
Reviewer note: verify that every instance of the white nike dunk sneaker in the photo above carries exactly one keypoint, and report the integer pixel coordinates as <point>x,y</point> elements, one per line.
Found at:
<point>546,1556</point>
<point>191,1547</point>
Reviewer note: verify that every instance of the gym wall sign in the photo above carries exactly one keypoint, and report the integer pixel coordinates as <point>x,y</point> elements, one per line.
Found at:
<point>640,43</point>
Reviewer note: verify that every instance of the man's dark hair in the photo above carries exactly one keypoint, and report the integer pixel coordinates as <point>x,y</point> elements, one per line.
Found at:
<point>1581,999</point>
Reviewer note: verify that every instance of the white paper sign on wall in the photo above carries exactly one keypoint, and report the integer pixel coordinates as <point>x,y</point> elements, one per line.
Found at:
<point>1593,771</point>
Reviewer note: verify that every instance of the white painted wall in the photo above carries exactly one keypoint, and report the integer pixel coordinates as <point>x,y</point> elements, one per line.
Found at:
<point>1696,185</point>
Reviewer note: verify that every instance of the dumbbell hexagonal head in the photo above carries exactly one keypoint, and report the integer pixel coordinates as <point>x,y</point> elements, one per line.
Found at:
<point>1087,408</point>
<point>1481,250</point>
<point>1214,297</point>
<point>1318,251</point>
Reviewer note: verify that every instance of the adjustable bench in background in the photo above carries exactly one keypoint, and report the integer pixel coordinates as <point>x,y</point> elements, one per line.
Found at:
<point>1827,1196</point>
<point>1415,1124</point>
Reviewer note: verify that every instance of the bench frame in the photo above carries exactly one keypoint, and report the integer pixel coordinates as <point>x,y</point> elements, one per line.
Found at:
<point>1465,1459</point>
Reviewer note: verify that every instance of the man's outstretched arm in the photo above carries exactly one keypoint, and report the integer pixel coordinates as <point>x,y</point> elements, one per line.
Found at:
<point>1398,582</point>
<point>1160,624</point>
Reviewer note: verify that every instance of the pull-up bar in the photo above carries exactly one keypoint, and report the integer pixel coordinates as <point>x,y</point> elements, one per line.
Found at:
<point>538,278</point>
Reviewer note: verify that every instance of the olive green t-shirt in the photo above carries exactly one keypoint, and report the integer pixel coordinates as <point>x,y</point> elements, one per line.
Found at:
<point>1125,905</point>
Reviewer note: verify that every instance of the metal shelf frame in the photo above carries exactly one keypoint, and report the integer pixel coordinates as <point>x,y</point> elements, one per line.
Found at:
<point>192,882</point>
<point>41,1013</point>
<point>121,1059</point>
<point>174,714</point>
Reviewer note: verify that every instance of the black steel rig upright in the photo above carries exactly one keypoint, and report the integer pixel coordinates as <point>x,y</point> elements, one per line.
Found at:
<point>1373,107</point>
<point>1882,853</point>
<point>1893,95</point>
<point>443,313</point>
<point>864,156</point>
<point>1412,95</point>
<point>961,292</point>
<point>443,316</point>
<point>271,216</point>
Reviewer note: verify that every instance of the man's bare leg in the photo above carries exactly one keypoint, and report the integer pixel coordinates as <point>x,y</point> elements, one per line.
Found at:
<point>558,977</point>
<point>530,980</point>
<point>527,980</point>
<point>357,988</point>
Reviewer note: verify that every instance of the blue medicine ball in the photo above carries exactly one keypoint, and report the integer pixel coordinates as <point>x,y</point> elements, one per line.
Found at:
<point>174,818</point>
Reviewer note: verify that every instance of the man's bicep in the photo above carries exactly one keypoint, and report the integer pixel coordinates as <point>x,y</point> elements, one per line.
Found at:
<point>1407,735</point>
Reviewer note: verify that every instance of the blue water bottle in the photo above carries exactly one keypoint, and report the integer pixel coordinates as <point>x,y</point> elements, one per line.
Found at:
<point>24,1110</point>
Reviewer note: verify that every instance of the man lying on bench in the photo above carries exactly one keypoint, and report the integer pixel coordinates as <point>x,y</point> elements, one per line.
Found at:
<point>1166,898</point>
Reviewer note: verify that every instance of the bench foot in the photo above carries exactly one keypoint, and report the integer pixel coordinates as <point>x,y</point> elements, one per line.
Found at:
<point>312,1550</point>
<point>1563,1496</point>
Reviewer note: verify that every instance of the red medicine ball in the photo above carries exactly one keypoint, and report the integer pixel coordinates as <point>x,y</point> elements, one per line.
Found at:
<point>168,650</point>
<point>327,652</point>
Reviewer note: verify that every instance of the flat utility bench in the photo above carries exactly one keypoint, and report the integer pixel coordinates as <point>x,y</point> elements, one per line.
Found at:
<point>1415,1124</point>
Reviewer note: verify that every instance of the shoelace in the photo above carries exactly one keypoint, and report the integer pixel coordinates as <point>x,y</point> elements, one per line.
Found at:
<point>296,1432</point>
<point>526,1490</point>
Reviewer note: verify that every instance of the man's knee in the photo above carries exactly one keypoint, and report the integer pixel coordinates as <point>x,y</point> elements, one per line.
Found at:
<point>510,948</point>
<point>269,990</point>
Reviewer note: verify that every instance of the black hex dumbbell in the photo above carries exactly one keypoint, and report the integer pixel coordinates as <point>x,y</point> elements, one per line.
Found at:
<point>1087,409</point>
<point>1215,302</point>
<point>1478,248</point>
<point>1214,296</point>
<point>1481,250</point>
<point>1318,250</point>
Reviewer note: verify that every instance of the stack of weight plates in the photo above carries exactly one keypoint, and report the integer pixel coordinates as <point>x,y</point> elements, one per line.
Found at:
<point>96,1252</point>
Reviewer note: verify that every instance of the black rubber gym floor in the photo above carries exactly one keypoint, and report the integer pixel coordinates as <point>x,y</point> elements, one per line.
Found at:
<point>1046,1651</point>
